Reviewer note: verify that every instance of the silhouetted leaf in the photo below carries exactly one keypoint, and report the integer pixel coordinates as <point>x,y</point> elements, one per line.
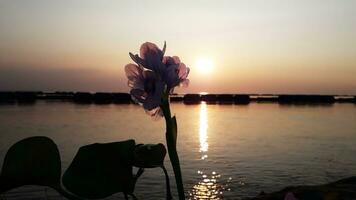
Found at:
<point>32,161</point>
<point>149,155</point>
<point>100,170</point>
<point>164,49</point>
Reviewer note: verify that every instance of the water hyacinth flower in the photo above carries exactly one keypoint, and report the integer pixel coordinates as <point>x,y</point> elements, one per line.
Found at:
<point>175,73</point>
<point>170,69</point>
<point>146,88</point>
<point>150,57</point>
<point>153,74</point>
<point>152,79</point>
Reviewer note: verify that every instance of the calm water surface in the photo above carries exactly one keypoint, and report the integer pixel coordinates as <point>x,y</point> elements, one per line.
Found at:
<point>226,151</point>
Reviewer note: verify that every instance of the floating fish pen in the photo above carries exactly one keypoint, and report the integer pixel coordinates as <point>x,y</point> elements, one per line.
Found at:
<point>121,98</point>
<point>264,98</point>
<point>60,96</point>
<point>26,97</point>
<point>225,98</point>
<point>102,98</point>
<point>83,97</point>
<point>7,98</point>
<point>345,99</point>
<point>176,98</point>
<point>192,99</point>
<point>209,98</point>
<point>306,99</point>
<point>241,99</point>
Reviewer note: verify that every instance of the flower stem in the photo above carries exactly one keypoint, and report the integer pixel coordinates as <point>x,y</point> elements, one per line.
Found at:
<point>171,140</point>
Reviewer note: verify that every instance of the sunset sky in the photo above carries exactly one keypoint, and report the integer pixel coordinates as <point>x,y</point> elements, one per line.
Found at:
<point>301,46</point>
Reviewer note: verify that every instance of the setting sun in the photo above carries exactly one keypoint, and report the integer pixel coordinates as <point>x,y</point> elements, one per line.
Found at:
<point>204,65</point>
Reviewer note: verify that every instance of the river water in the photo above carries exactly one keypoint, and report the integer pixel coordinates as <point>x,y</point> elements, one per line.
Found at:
<point>226,151</point>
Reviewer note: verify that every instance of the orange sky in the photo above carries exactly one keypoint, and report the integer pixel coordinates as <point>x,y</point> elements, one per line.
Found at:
<point>306,46</point>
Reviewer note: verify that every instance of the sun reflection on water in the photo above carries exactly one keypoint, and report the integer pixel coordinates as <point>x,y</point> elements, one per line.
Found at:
<point>208,186</point>
<point>203,131</point>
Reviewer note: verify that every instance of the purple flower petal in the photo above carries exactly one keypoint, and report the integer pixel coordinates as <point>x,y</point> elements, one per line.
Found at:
<point>134,76</point>
<point>153,61</point>
<point>152,56</point>
<point>171,76</point>
<point>152,74</point>
<point>167,60</point>
<point>183,71</point>
<point>185,83</point>
<point>176,59</point>
<point>155,113</point>
<point>139,96</point>
<point>153,99</point>
<point>147,48</point>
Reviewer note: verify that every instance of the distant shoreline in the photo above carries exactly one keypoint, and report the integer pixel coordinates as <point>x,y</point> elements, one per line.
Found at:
<point>9,97</point>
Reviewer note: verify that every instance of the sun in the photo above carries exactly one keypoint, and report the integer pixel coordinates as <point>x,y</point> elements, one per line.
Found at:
<point>204,65</point>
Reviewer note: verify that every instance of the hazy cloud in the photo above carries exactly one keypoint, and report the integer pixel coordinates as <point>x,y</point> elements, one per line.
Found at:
<point>54,79</point>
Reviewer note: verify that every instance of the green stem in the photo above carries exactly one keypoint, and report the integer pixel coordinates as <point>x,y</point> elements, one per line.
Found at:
<point>171,139</point>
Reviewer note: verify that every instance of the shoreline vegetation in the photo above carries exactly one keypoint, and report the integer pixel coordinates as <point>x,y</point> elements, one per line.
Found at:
<point>125,98</point>
<point>344,189</point>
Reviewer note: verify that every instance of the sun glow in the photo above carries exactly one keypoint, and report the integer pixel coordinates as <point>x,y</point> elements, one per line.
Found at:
<point>204,65</point>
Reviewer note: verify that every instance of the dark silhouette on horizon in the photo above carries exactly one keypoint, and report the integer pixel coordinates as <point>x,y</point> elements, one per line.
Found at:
<point>125,98</point>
